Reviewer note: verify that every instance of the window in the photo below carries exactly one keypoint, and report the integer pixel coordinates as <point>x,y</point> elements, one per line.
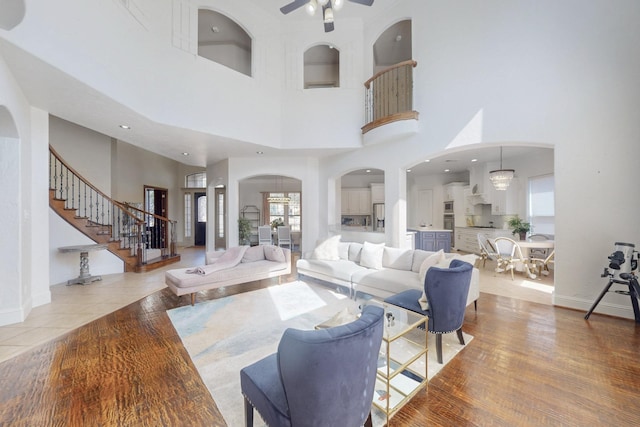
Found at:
<point>197,180</point>
<point>541,204</point>
<point>288,213</point>
<point>187,215</point>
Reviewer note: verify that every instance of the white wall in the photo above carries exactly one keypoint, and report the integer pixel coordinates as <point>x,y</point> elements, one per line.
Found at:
<point>23,170</point>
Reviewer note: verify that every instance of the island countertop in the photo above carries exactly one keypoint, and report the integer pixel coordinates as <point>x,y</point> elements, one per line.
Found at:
<point>438,230</point>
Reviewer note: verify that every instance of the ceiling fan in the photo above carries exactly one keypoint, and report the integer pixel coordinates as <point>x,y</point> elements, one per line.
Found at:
<point>328,6</point>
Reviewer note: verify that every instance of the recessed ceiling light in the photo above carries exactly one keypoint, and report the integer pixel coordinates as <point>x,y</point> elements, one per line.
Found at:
<point>215,29</point>
<point>408,170</point>
<point>259,152</point>
<point>474,160</point>
<point>368,171</point>
<point>427,161</point>
<point>125,127</point>
<point>185,154</point>
<point>447,170</point>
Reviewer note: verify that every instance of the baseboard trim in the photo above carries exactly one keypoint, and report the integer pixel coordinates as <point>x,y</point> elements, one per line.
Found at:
<point>604,307</point>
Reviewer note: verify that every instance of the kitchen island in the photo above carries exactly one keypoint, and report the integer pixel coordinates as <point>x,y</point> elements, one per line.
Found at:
<point>431,239</point>
<point>467,237</point>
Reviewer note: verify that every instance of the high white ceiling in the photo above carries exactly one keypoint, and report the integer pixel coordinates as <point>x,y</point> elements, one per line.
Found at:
<point>51,90</point>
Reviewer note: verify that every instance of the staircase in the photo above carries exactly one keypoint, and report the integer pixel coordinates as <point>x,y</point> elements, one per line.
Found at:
<point>125,229</point>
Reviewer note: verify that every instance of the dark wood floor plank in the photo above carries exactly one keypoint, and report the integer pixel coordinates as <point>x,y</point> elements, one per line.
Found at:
<point>528,365</point>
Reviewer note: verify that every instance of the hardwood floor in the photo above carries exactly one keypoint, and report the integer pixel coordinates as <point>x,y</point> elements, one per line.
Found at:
<point>529,364</point>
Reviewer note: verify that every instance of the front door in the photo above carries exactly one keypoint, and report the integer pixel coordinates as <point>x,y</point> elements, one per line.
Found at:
<point>200,236</point>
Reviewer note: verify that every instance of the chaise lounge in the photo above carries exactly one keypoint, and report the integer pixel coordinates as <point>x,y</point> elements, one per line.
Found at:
<point>234,266</point>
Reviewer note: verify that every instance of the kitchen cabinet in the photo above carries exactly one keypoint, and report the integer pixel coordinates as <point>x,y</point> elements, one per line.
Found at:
<point>377,193</point>
<point>356,201</point>
<point>452,191</point>
<point>433,240</point>
<point>469,207</point>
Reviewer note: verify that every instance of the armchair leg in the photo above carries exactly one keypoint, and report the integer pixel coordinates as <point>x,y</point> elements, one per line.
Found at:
<point>368,422</point>
<point>460,336</point>
<point>248,413</point>
<point>439,347</point>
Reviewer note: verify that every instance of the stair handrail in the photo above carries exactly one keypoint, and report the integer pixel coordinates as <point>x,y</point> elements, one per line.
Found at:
<point>173,222</point>
<point>123,225</point>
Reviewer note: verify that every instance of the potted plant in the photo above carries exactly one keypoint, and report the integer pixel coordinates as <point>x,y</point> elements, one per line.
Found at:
<point>276,223</point>
<point>519,226</point>
<point>244,231</point>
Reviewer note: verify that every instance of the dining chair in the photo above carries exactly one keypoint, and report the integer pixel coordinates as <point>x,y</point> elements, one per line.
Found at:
<point>322,377</point>
<point>264,235</point>
<point>543,265</point>
<point>538,253</point>
<point>487,248</point>
<point>509,256</point>
<point>446,290</point>
<point>284,236</point>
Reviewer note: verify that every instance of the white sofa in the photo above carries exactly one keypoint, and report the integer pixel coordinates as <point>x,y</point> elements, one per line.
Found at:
<point>375,269</point>
<point>249,264</point>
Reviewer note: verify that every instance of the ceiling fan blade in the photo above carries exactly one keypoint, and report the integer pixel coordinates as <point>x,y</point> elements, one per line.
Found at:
<point>364,2</point>
<point>328,27</point>
<point>296,4</point>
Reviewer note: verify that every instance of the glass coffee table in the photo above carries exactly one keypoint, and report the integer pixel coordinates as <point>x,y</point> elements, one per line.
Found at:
<point>402,365</point>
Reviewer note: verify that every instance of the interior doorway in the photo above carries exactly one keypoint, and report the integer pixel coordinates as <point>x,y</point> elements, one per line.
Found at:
<point>155,202</point>
<point>200,233</point>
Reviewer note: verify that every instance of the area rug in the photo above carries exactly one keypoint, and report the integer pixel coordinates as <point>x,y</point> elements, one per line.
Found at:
<point>224,335</point>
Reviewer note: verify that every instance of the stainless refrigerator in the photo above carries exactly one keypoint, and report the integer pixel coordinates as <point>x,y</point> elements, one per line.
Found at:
<point>378,216</point>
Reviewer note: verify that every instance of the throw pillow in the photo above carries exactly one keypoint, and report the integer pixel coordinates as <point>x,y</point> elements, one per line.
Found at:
<point>430,261</point>
<point>274,253</point>
<point>254,253</point>
<point>470,258</point>
<point>371,256</point>
<point>327,250</point>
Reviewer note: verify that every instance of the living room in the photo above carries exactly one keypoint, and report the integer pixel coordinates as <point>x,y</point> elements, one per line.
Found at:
<point>560,75</point>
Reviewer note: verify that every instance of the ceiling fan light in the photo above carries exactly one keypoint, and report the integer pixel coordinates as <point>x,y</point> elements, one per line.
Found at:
<point>311,7</point>
<point>328,15</point>
<point>337,4</point>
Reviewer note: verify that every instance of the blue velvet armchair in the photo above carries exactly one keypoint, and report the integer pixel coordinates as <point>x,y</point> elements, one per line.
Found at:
<point>317,378</point>
<point>447,290</point>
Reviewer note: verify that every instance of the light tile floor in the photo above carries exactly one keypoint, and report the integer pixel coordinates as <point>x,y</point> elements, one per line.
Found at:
<point>76,305</point>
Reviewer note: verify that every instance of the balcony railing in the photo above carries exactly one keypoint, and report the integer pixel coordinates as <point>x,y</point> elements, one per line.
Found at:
<point>389,96</point>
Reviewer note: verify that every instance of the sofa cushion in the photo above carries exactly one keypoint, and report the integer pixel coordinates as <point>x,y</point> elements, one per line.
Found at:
<point>355,250</point>
<point>341,269</point>
<point>371,256</point>
<point>387,281</point>
<point>343,250</point>
<point>327,249</point>
<point>254,253</point>
<point>400,259</point>
<point>418,257</point>
<point>274,253</point>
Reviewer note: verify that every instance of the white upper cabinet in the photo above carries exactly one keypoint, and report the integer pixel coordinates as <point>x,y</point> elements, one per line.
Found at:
<point>377,193</point>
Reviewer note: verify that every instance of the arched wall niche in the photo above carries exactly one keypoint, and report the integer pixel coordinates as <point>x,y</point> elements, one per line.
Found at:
<point>321,66</point>
<point>222,40</point>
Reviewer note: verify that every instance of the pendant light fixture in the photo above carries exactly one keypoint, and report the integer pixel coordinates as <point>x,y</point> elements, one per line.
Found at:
<point>279,199</point>
<point>501,178</point>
